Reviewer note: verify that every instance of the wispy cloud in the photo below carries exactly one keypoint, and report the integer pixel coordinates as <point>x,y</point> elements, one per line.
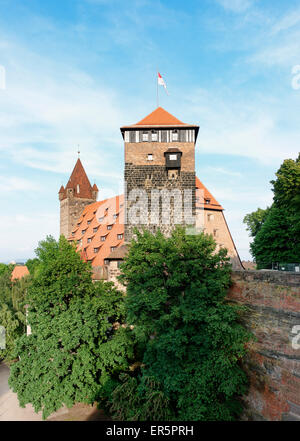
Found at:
<point>236,5</point>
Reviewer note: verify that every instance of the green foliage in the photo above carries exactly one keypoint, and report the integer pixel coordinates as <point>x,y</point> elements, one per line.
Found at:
<point>5,284</point>
<point>278,238</point>
<point>76,344</point>
<point>32,265</point>
<point>255,220</point>
<point>190,340</point>
<point>13,322</point>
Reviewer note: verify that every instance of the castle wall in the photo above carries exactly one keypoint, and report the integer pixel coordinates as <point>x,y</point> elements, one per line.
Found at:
<point>273,365</point>
<point>216,225</point>
<point>70,211</point>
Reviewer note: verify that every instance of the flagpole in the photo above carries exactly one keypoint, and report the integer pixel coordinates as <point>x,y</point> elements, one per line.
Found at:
<point>157,88</point>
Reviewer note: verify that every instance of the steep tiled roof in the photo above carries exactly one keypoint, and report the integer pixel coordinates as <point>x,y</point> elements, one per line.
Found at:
<point>106,219</point>
<point>79,181</point>
<point>159,117</point>
<point>19,272</point>
<point>204,199</point>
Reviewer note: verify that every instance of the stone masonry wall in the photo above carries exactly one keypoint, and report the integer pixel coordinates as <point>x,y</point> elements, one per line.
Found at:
<point>273,364</point>
<point>148,177</point>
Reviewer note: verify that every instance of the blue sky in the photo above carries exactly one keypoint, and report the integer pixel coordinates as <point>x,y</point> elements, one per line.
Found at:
<point>77,70</point>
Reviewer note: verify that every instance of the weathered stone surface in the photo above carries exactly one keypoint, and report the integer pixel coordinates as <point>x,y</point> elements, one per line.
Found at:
<point>273,309</point>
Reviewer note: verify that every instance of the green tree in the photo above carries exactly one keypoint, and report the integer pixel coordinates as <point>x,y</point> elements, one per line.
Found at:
<point>255,220</point>
<point>189,339</point>
<point>13,323</point>
<point>32,265</point>
<point>278,237</point>
<point>76,344</point>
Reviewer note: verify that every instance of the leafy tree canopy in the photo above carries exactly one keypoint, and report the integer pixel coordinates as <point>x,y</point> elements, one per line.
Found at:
<point>276,230</point>
<point>76,343</point>
<point>255,220</point>
<point>189,338</point>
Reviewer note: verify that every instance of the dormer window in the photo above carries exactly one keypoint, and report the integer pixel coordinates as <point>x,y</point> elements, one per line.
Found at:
<point>73,233</point>
<point>83,231</point>
<point>175,135</point>
<point>150,157</point>
<point>88,222</point>
<point>115,216</point>
<point>103,238</point>
<point>154,135</point>
<point>145,136</point>
<point>95,229</point>
<point>89,240</point>
<point>120,236</point>
<point>112,249</point>
<point>96,250</point>
<point>207,201</point>
<point>109,227</point>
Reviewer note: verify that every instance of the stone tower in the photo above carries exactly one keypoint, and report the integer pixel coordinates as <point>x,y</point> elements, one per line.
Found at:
<point>159,173</point>
<point>77,194</point>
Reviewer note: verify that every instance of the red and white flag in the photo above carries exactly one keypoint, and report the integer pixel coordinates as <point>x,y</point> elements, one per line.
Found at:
<point>161,82</point>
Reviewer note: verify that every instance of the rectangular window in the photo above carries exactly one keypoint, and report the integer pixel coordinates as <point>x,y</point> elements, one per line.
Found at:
<point>145,136</point>
<point>100,219</point>
<point>173,157</point>
<point>95,229</point>
<point>115,216</point>
<point>103,238</point>
<point>83,231</point>
<point>112,249</point>
<point>109,227</point>
<point>120,236</point>
<point>89,240</point>
<point>207,201</point>
<point>106,262</point>
<point>150,157</point>
<point>96,250</point>
<point>73,233</point>
<point>174,135</point>
<point>154,134</point>
<point>88,222</point>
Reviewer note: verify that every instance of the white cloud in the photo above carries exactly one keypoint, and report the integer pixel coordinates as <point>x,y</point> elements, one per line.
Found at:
<point>16,184</point>
<point>289,20</point>
<point>236,5</point>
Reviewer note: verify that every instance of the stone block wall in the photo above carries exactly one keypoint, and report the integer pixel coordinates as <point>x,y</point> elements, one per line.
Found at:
<point>273,364</point>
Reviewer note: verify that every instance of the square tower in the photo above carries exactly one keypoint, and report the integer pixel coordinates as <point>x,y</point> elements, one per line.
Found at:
<point>159,173</point>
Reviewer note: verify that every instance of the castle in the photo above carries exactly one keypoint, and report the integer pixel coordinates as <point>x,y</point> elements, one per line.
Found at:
<point>161,190</point>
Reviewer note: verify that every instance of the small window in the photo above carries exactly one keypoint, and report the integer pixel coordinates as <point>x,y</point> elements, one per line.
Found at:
<point>145,136</point>
<point>120,236</point>
<point>132,137</point>
<point>89,240</point>
<point>112,249</point>
<point>150,157</point>
<point>73,233</point>
<point>103,238</point>
<point>173,157</point>
<point>100,219</point>
<point>154,135</point>
<point>115,216</point>
<point>83,231</point>
<point>96,250</point>
<point>106,262</point>
<point>95,229</point>
<point>175,135</point>
<point>78,188</point>
<point>88,222</point>
<point>109,227</point>
<point>207,201</point>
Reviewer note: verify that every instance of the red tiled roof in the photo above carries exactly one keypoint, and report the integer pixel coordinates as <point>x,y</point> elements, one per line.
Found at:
<point>79,181</point>
<point>159,117</point>
<point>106,210</point>
<point>204,199</point>
<point>19,272</point>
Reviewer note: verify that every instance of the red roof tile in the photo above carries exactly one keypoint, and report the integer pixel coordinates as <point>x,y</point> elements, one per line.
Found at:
<point>79,183</point>
<point>19,272</point>
<point>159,117</point>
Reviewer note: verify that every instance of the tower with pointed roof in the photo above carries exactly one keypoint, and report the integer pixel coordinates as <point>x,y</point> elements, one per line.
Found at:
<point>74,197</point>
<point>159,155</point>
